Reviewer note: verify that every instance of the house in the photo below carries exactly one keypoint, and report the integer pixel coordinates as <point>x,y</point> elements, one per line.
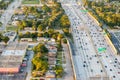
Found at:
<point>18,17</point>
<point>42,39</point>
<point>51,79</point>
<point>52,53</point>
<point>50,75</point>
<point>26,39</point>
<point>31,16</point>
<point>52,62</point>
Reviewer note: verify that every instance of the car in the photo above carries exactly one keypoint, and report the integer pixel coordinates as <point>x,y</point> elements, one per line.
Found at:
<point>110,69</point>
<point>105,66</point>
<point>21,70</point>
<point>91,70</point>
<point>97,61</point>
<point>114,65</point>
<point>115,58</point>
<point>83,65</point>
<point>113,76</point>
<point>115,61</point>
<point>101,70</point>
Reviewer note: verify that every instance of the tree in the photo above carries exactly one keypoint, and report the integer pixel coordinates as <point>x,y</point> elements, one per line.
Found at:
<point>40,28</point>
<point>27,35</point>
<point>60,36</point>
<point>40,48</point>
<point>66,31</point>
<point>45,8</point>
<point>5,39</point>
<point>24,23</point>
<point>46,34</point>
<point>64,41</point>
<point>1,37</point>
<point>34,27</point>
<point>59,71</point>
<point>43,1</point>
<point>34,35</point>
<point>65,21</point>
<point>39,64</point>
<point>40,35</point>
<point>54,36</point>
<point>20,25</point>
<point>59,46</point>
<point>51,32</point>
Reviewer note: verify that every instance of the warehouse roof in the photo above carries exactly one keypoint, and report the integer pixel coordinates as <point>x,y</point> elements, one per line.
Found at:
<point>12,55</point>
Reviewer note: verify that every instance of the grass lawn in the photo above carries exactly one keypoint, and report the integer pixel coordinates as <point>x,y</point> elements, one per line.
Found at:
<point>30,2</point>
<point>11,28</point>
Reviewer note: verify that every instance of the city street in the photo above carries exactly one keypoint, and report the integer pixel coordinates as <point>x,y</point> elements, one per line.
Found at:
<point>29,65</point>
<point>6,16</point>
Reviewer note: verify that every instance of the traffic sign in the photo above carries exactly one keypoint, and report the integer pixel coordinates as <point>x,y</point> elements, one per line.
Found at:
<point>84,10</point>
<point>101,49</point>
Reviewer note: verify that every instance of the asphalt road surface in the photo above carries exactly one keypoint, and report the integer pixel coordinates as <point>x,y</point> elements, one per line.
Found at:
<point>6,16</point>
<point>88,39</point>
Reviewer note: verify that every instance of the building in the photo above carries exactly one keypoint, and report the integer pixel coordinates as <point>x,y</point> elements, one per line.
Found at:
<point>26,39</point>
<point>11,35</point>
<point>12,57</point>
<point>50,75</point>
<point>51,46</point>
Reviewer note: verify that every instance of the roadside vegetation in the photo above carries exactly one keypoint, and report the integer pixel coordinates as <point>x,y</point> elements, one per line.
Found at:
<point>4,4</point>
<point>5,39</point>
<point>106,12</point>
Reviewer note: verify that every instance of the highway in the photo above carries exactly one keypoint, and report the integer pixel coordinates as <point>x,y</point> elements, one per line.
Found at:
<point>6,16</point>
<point>89,60</point>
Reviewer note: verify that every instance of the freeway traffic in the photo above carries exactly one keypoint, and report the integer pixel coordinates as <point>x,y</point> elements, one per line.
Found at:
<point>89,60</point>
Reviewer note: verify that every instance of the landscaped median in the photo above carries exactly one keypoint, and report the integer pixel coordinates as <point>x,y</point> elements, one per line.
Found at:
<point>30,2</point>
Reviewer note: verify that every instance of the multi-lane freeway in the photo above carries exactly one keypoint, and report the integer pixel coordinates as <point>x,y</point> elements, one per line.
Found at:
<point>90,60</point>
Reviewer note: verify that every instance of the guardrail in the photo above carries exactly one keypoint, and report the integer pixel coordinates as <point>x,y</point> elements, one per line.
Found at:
<point>71,59</point>
<point>94,18</point>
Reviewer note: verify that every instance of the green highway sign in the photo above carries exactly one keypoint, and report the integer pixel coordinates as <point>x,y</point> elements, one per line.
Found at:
<point>101,49</point>
<point>84,10</point>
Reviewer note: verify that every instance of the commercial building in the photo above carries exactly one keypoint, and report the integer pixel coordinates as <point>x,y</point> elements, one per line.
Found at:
<point>12,57</point>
